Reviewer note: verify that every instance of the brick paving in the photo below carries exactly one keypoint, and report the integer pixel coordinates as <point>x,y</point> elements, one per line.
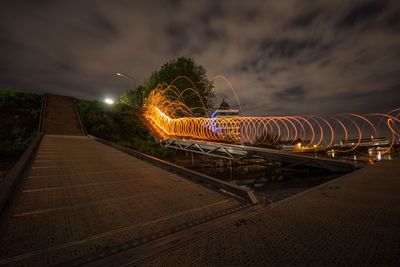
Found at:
<point>61,117</point>
<point>351,221</point>
<point>82,196</point>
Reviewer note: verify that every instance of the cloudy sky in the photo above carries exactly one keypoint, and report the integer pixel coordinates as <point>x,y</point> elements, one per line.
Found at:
<point>282,57</point>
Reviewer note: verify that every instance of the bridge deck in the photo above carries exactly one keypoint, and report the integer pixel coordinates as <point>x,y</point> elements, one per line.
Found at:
<point>352,221</point>
<point>61,116</point>
<point>82,196</point>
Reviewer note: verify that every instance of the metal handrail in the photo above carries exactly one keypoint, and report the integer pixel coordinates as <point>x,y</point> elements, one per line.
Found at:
<point>237,152</point>
<point>42,114</point>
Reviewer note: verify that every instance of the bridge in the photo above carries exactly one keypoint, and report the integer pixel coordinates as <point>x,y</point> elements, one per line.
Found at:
<point>75,200</point>
<point>77,195</point>
<point>180,128</point>
<point>239,152</point>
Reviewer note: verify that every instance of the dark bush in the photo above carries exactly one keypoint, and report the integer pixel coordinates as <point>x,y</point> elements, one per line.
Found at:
<point>117,123</point>
<point>19,118</point>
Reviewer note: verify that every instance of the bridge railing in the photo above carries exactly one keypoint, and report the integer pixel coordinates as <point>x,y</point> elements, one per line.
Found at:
<point>10,183</point>
<point>239,152</point>
<point>83,129</point>
<point>42,114</point>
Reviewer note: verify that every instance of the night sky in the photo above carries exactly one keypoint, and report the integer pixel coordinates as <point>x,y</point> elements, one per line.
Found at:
<point>282,57</point>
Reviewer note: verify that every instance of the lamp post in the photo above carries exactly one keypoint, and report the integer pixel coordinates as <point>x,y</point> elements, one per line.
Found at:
<point>128,77</point>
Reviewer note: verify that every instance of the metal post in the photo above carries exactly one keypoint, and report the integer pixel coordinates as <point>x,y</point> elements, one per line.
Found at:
<point>128,77</point>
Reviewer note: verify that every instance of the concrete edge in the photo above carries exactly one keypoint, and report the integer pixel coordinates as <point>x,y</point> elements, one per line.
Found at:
<point>14,176</point>
<point>327,183</point>
<point>135,252</point>
<point>247,194</point>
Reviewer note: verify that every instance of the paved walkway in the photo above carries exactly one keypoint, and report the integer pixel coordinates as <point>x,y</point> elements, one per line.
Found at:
<point>87,201</point>
<point>351,221</point>
<point>61,116</point>
<point>82,196</point>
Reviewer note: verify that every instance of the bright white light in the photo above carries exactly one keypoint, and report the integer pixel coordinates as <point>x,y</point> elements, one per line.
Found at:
<point>109,101</point>
<point>379,157</point>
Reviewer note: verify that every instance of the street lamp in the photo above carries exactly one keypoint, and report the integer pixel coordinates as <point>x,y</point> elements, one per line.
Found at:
<point>128,77</point>
<point>109,101</point>
<point>133,80</point>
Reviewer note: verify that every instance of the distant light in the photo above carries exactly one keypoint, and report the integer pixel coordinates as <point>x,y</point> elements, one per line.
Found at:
<point>379,157</point>
<point>299,145</point>
<point>109,101</point>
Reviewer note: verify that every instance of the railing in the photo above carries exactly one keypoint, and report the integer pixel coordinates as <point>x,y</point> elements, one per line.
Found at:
<point>14,177</point>
<point>42,114</point>
<point>83,129</point>
<point>238,152</point>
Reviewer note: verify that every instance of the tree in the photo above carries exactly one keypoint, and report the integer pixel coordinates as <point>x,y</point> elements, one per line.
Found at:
<point>19,117</point>
<point>268,140</point>
<point>117,123</point>
<point>128,98</point>
<point>133,98</point>
<point>195,74</point>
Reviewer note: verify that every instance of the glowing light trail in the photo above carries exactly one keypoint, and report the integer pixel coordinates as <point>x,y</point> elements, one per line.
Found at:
<point>173,118</point>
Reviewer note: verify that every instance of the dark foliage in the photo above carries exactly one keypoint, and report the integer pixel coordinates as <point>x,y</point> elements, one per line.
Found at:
<point>117,123</point>
<point>186,67</point>
<point>19,119</point>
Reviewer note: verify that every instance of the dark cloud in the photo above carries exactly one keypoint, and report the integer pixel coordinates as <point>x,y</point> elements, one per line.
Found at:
<point>177,38</point>
<point>291,94</point>
<point>106,29</point>
<point>362,12</point>
<point>282,57</point>
<point>285,48</point>
<point>305,19</point>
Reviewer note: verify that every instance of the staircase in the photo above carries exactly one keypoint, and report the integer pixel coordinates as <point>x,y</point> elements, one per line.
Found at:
<point>61,116</point>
